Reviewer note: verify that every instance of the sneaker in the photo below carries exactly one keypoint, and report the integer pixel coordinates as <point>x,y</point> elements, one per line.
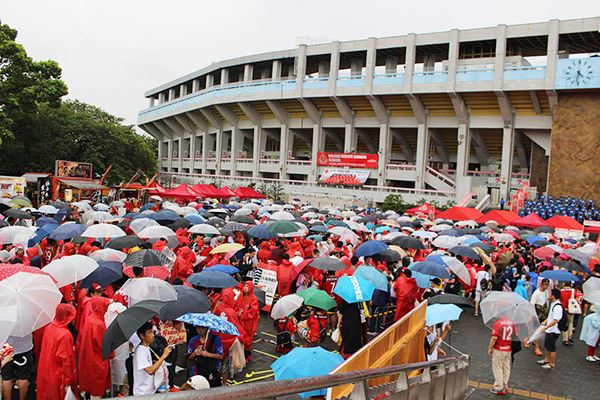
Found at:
<point>476,314</point>
<point>494,391</point>
<point>526,344</point>
<point>571,340</point>
<point>591,359</point>
<point>548,366</point>
<point>541,362</point>
<point>596,358</point>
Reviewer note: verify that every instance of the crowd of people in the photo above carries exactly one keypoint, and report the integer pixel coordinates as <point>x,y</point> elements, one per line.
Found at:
<point>477,261</point>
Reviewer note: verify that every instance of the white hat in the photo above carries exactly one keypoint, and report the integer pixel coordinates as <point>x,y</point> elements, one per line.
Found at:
<point>198,382</point>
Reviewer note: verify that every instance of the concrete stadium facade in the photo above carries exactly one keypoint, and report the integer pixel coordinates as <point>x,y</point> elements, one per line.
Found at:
<point>449,114</point>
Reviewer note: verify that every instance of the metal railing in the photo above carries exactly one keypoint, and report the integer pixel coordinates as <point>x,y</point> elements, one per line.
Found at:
<point>441,177</point>
<point>448,380</point>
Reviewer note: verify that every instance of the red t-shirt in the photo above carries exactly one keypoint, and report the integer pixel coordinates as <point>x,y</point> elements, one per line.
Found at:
<point>315,324</point>
<point>504,330</point>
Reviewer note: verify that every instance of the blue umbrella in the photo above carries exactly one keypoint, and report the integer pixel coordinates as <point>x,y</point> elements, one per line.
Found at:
<point>228,269</point>
<point>370,247</point>
<point>381,229</point>
<point>147,206</point>
<point>107,273</point>
<point>337,222</point>
<point>559,275</point>
<point>40,222</point>
<point>261,232</point>
<point>130,215</point>
<point>195,219</point>
<point>472,241</point>
<point>354,289</point>
<point>318,238</point>
<point>451,232</point>
<point>373,276</point>
<point>210,321</point>
<point>318,228</point>
<point>164,215</point>
<point>212,279</point>
<point>438,313</point>
<point>430,268</point>
<point>533,239</point>
<point>304,362</point>
<point>41,233</point>
<point>67,231</point>
<point>423,280</point>
<point>60,214</point>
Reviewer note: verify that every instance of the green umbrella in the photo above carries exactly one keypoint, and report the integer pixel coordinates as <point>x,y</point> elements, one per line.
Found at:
<point>526,236</point>
<point>283,227</point>
<point>317,298</point>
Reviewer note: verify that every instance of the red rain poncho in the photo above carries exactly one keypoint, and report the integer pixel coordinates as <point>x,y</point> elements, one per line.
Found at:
<point>285,275</point>
<point>94,374</point>
<point>406,294</point>
<point>184,264</point>
<point>225,310</point>
<point>247,303</point>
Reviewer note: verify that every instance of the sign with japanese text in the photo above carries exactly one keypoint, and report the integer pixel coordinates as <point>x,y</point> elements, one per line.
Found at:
<point>347,160</point>
<point>73,169</point>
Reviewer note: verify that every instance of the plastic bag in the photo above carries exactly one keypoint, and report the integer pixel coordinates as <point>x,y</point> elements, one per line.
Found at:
<point>69,395</point>
<point>336,337</point>
<point>238,359</point>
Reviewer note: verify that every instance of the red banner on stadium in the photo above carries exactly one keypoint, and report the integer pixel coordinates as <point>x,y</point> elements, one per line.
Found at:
<point>347,160</point>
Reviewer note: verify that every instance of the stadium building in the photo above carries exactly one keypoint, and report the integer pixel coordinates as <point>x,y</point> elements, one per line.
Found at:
<point>443,115</point>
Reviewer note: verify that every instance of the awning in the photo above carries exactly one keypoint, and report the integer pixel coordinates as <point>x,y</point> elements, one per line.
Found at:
<point>32,177</point>
<point>82,184</point>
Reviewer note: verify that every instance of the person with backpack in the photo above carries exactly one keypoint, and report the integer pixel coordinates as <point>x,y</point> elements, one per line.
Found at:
<point>350,323</point>
<point>499,281</point>
<point>314,329</point>
<point>483,279</point>
<point>553,326</point>
<point>206,352</point>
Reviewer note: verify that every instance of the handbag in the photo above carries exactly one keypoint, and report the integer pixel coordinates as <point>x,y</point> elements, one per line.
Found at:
<point>573,307</point>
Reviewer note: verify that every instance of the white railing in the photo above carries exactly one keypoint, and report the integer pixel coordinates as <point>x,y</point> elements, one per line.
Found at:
<point>441,177</point>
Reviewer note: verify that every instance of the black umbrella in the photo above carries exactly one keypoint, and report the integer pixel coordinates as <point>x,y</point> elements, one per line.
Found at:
<point>206,215</point>
<point>16,213</point>
<point>225,232</point>
<point>570,266</point>
<point>164,216</point>
<point>327,264</point>
<point>465,252</point>
<point>260,294</point>
<point>123,224</point>
<point>366,219</point>
<point>212,279</point>
<point>279,202</point>
<point>447,298</point>
<point>58,204</point>
<point>106,273</point>
<point>244,219</point>
<point>216,222</point>
<point>483,246</point>
<point>124,242</point>
<point>544,229</point>
<point>318,229</point>
<point>146,258</point>
<point>388,255</point>
<point>179,223</point>
<point>127,322</point>
<point>303,222</point>
<point>541,243</point>
<point>3,223</point>
<point>233,226</point>
<point>408,242</point>
<point>475,231</point>
<point>189,300</point>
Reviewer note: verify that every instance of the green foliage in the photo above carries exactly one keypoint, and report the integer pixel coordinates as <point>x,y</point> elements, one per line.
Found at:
<point>262,188</point>
<point>76,131</point>
<point>276,191</point>
<point>24,84</point>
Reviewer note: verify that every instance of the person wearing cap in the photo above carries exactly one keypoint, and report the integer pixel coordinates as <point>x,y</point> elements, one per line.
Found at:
<point>539,299</point>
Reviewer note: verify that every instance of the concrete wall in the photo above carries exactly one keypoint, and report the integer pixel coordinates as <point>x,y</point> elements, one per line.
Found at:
<point>539,168</point>
<point>575,154</point>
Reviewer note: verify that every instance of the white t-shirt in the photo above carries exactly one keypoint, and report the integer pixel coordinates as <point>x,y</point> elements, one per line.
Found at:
<point>555,313</point>
<point>143,382</point>
<point>431,338</point>
<point>539,298</point>
<point>481,275</point>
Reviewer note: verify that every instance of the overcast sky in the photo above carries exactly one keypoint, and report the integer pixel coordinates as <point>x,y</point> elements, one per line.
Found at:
<point>112,51</point>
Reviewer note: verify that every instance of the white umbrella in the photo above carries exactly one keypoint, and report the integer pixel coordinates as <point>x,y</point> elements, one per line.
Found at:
<point>440,227</point>
<point>286,305</point>
<point>48,209</point>
<point>512,306</point>
<point>36,298</point>
<point>108,255</point>
<point>175,208</point>
<point>244,211</point>
<point>492,224</point>
<point>446,242</point>
<point>355,226</point>
<point>424,234</point>
<point>252,206</point>
<point>188,210</point>
<point>404,218</point>
<point>70,269</point>
<point>16,234</point>
<point>103,231</point>
<point>83,205</point>
<point>205,229</point>
<point>458,268</point>
<point>591,290</point>
<point>345,234</point>
<point>469,223</point>
<point>101,207</point>
<point>138,224</point>
<point>156,197</point>
<point>117,203</point>
<point>8,320</point>
<point>288,207</point>
<point>503,237</point>
<point>154,233</point>
<point>90,217</point>
<point>139,289</point>
<point>282,215</point>
<point>511,228</point>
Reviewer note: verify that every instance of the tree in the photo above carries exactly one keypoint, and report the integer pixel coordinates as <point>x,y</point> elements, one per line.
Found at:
<point>395,202</point>
<point>24,84</point>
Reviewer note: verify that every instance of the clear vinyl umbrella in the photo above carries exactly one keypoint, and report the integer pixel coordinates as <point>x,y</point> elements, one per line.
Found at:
<point>70,269</point>
<point>139,224</point>
<point>8,320</point>
<point>286,305</point>
<point>512,306</point>
<point>16,234</point>
<point>139,289</point>
<point>154,233</point>
<point>103,231</point>
<point>107,255</point>
<point>35,297</point>
<point>591,290</point>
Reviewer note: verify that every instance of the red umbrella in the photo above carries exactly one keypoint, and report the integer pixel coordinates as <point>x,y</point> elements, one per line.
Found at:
<point>513,234</point>
<point>8,270</point>
<point>544,252</point>
<point>157,271</point>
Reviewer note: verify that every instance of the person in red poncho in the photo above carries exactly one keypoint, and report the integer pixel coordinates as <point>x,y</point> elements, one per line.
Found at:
<point>264,254</point>
<point>184,264</point>
<point>285,275</point>
<point>160,244</point>
<point>248,312</point>
<point>57,368</point>
<point>94,374</point>
<point>225,310</point>
<point>406,293</point>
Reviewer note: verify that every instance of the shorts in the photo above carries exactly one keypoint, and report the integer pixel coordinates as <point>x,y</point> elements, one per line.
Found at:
<point>480,295</point>
<point>19,368</point>
<point>550,342</point>
<point>225,365</point>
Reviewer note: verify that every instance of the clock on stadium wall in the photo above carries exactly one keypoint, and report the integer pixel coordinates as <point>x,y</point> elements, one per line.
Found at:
<point>578,73</point>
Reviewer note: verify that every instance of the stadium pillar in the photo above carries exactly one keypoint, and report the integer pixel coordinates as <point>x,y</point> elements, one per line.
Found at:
<point>204,150</point>
<point>300,66</point>
<point>248,72</point>
<point>384,153</point>
<point>276,72</point>
<point>508,149</point>
<point>349,138</point>
<point>334,67</point>
<point>464,182</point>
<point>284,149</point>
<point>422,156</point>
<point>256,150</point>
<point>237,139</point>
<point>170,153</point>
<point>317,145</point>
<point>218,151</point>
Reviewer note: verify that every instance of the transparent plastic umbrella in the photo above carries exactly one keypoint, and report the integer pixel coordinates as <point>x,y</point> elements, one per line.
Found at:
<point>591,290</point>
<point>8,320</point>
<point>70,269</point>
<point>16,235</point>
<point>103,231</point>
<point>286,305</point>
<point>140,289</point>
<point>512,306</point>
<point>107,255</point>
<point>138,224</point>
<point>205,229</point>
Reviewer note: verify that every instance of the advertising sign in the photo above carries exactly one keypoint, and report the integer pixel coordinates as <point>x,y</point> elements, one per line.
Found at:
<point>73,169</point>
<point>12,187</point>
<point>349,177</point>
<point>514,182</point>
<point>347,160</point>
<point>266,280</point>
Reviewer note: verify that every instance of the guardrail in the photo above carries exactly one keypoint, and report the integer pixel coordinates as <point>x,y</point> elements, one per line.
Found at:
<point>441,177</point>
<point>304,162</point>
<point>525,72</point>
<point>430,77</point>
<point>475,75</point>
<point>401,167</point>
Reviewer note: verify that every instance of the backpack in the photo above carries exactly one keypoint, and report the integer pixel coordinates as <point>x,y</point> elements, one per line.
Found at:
<point>498,282</point>
<point>284,340</point>
<point>563,324</point>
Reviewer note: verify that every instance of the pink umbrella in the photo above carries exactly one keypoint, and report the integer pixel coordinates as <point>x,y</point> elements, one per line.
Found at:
<point>157,271</point>
<point>8,270</point>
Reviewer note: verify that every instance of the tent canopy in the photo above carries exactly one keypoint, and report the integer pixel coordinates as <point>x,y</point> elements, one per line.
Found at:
<point>156,188</point>
<point>502,217</point>
<point>424,208</point>
<point>460,214</point>
<point>532,220</point>
<point>181,192</point>
<point>563,222</point>
<point>209,191</point>
<point>247,193</point>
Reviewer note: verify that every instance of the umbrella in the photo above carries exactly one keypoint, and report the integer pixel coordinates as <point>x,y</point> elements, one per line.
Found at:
<point>106,273</point>
<point>319,229</point>
<point>448,298</point>
<point>282,216</point>
<point>544,252</point>
<point>212,279</point>
<point>303,362</point>
<point>67,231</point>
<point>512,306</point>
<point>388,255</point>
<point>228,269</point>
<point>235,226</point>
<point>455,266</point>
<point>36,298</point>
<point>210,321</point>
<point>533,239</point>
<point>189,300</point>
<point>424,234</point>
<point>372,275</point>
<point>48,209</point>
<point>70,269</point>
<point>103,231</point>
<point>216,222</point>
<point>21,201</point>
<point>407,242</point>
<point>164,215</point>
<point>544,229</point>
<point>8,270</point>
<point>370,247</point>
<point>17,214</point>
<point>146,258</point>
<point>243,219</point>
<point>579,256</point>
<point>261,232</point>
<point>503,238</point>
<point>354,289</point>
<point>159,232</point>
<point>430,268</point>
<point>571,266</point>
<point>180,223</point>
<point>558,275</point>
<point>140,289</point>
<point>138,224</point>
<point>226,248</point>
<point>317,298</point>
<point>42,221</point>
<point>124,242</point>
<point>154,271</point>
<point>8,320</point>
<point>591,290</point>
<point>41,233</point>
<point>286,305</point>
<point>15,235</point>
<point>205,229</point>
<point>327,264</point>
<point>438,313</point>
<point>465,251</point>
<point>446,242</point>
<point>127,323</point>
<point>285,227</point>
<point>108,255</point>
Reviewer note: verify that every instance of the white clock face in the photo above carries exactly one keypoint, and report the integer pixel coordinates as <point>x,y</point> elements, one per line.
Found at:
<point>579,73</point>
